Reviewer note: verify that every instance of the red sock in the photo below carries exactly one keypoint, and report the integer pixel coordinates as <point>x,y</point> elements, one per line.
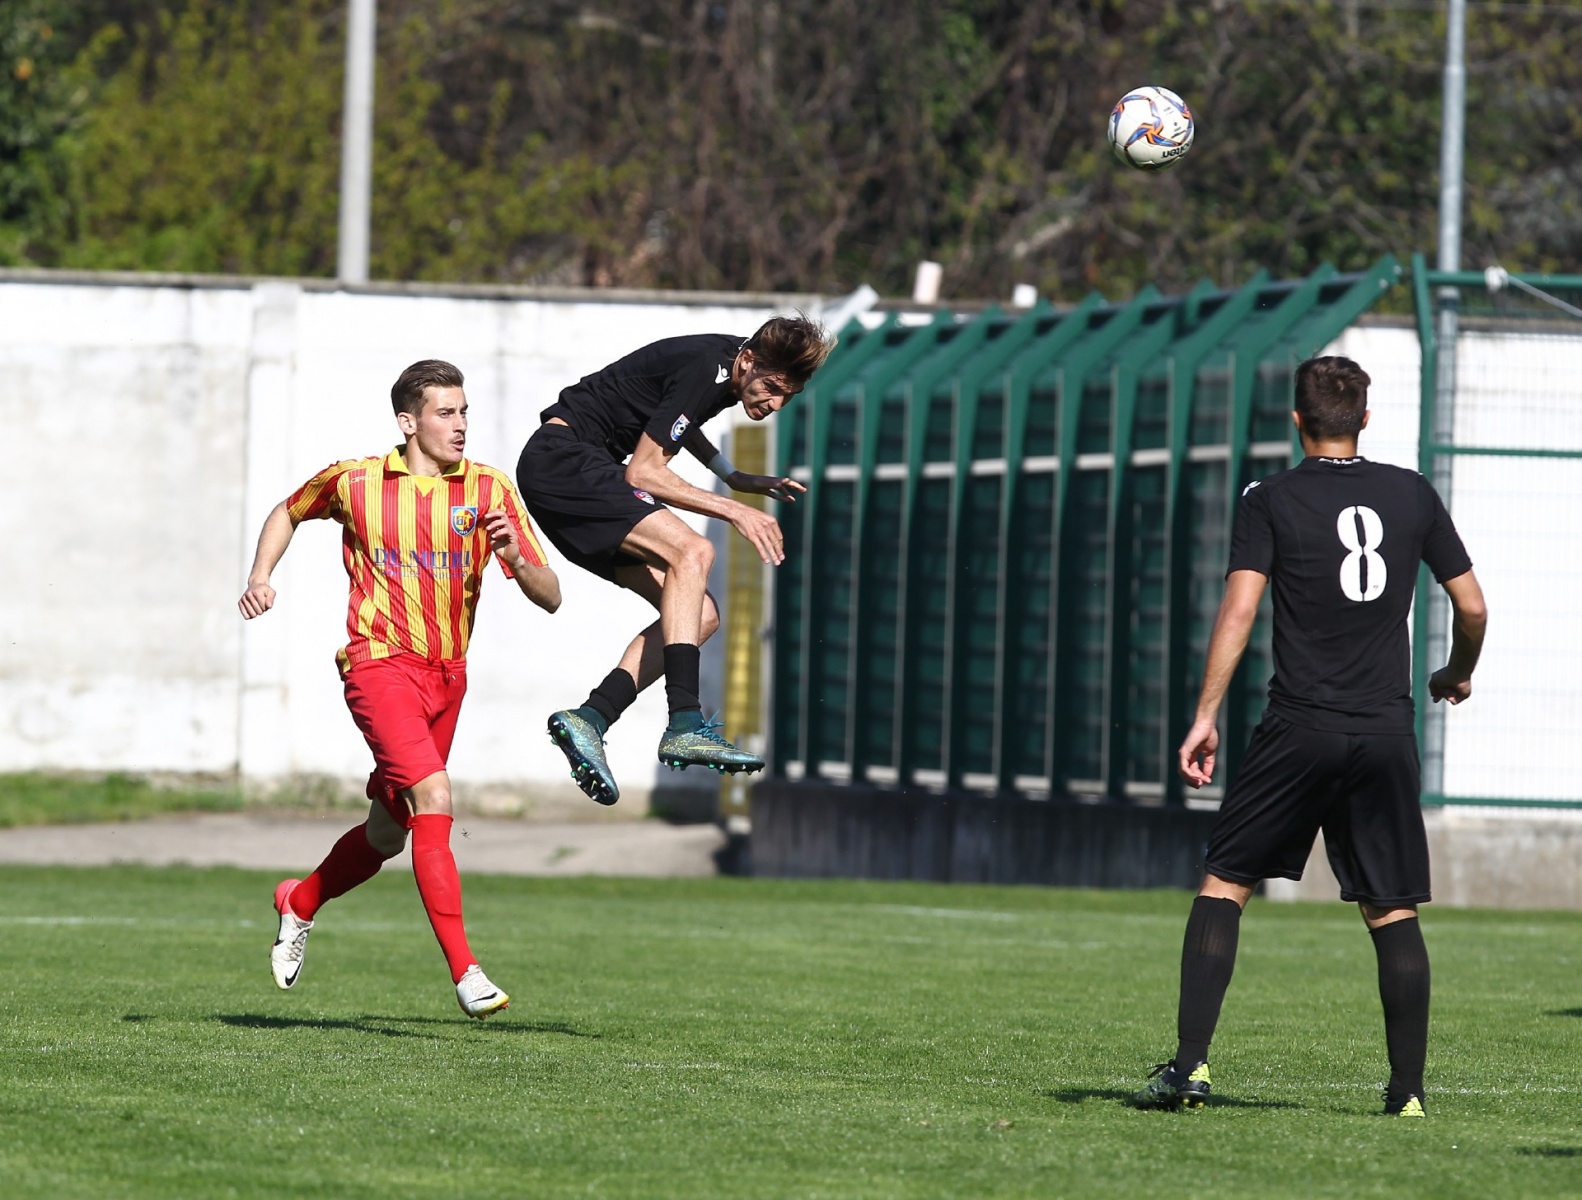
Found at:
<point>350,861</point>
<point>440,887</point>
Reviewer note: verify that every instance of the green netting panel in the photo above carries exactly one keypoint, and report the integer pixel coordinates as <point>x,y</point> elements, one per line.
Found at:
<point>882,564</point>
<point>1079,736</point>
<point>978,603</point>
<point>928,589</point>
<point>1211,404</point>
<point>1151,426</point>
<point>832,575</point>
<point>1144,679</point>
<point>1030,624</point>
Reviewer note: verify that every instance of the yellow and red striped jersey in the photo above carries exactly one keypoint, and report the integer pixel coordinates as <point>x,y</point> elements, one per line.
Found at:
<point>414,548</point>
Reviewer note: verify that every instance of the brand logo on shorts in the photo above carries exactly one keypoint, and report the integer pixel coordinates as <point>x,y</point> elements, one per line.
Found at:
<point>679,428</point>
<point>464,518</point>
<point>643,496</point>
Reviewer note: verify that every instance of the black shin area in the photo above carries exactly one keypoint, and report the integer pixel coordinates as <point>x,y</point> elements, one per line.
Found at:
<point>1403,987</point>
<point>1208,956</point>
<point>681,676</point>
<point>614,695</point>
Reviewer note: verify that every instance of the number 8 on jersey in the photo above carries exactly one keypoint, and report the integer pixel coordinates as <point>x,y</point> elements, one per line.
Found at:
<point>1362,533</point>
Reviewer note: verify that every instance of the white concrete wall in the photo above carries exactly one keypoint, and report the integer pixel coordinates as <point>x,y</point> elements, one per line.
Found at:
<point>154,425</point>
<point>153,429</point>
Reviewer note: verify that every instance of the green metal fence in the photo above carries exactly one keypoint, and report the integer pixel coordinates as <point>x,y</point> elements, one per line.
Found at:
<point>1500,434</point>
<point>1011,553</point>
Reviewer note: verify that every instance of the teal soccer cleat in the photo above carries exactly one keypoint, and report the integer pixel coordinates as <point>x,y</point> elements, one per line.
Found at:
<point>580,741</point>
<point>690,741</point>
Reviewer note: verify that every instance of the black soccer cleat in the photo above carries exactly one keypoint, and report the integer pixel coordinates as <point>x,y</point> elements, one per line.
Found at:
<point>1410,1105</point>
<point>1172,1090</point>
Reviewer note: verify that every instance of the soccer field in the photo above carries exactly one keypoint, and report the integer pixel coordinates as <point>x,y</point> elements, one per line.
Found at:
<point>756,1039</point>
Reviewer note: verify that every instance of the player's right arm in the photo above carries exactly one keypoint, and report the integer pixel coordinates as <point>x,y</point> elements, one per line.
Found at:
<point>273,539</point>
<point>1232,628</point>
<point>318,497</point>
<point>1453,681</point>
<point>649,469</point>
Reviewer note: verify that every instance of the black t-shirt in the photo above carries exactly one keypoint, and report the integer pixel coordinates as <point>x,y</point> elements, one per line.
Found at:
<point>663,390</point>
<point>1340,538</point>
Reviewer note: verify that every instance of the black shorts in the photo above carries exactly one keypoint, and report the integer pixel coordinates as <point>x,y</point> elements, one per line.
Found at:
<point>1362,789</point>
<point>578,496</point>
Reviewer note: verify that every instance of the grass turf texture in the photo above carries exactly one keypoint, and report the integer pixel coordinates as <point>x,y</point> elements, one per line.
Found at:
<point>38,798</point>
<point>752,1038</point>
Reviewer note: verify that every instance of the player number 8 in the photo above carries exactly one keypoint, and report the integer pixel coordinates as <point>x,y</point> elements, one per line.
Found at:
<point>1364,550</point>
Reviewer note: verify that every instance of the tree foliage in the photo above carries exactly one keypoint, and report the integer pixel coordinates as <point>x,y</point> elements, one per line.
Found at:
<point>39,102</point>
<point>802,144</point>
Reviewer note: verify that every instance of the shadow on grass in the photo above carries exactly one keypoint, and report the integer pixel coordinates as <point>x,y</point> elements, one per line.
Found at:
<point>383,1026</point>
<point>391,1026</point>
<point>1550,1151</point>
<point>1567,1012</point>
<point>1082,1095</point>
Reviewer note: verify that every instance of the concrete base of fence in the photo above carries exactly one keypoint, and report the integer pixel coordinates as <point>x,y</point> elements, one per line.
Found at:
<point>815,830</point>
<point>1483,857</point>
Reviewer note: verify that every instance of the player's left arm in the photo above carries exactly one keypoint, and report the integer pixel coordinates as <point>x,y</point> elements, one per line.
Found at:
<point>533,575</point>
<point>1232,629</point>
<point>1453,681</point>
<point>780,487</point>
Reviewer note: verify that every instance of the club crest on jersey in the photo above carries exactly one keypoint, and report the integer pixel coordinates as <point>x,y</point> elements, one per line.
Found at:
<point>679,429</point>
<point>642,495</point>
<point>464,518</point>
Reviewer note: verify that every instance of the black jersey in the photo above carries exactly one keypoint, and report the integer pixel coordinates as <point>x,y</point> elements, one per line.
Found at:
<point>1340,539</point>
<point>663,390</point>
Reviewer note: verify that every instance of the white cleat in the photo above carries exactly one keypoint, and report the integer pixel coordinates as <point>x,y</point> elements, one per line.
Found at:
<point>477,996</point>
<point>285,956</point>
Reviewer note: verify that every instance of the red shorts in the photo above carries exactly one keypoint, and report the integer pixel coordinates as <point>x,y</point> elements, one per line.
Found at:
<point>406,707</point>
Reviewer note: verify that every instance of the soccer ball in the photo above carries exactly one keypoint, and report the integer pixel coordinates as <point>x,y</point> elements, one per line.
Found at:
<point>1151,128</point>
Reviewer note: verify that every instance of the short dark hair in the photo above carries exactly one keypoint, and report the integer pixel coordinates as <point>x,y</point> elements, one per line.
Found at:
<point>791,346</point>
<point>1331,396</point>
<point>406,395</point>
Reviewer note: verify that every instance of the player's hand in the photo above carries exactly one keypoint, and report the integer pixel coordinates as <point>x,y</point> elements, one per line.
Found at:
<point>1197,753</point>
<point>1450,686</point>
<point>258,599</point>
<point>763,531</point>
<point>502,536</point>
<point>779,487</point>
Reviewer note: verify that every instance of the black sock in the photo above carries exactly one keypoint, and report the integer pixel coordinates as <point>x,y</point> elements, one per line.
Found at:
<point>614,695</point>
<point>1208,956</point>
<point>1403,986</point>
<point>681,677</point>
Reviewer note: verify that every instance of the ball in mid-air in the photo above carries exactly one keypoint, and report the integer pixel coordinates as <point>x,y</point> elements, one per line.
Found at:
<point>1151,128</point>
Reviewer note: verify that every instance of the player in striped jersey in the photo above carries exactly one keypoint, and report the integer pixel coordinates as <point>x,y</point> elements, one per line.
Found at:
<point>421,522</point>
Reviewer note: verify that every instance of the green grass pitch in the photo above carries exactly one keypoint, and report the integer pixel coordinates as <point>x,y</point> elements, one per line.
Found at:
<point>745,1038</point>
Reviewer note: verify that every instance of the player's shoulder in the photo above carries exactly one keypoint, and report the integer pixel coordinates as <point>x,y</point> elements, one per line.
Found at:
<point>494,473</point>
<point>349,466</point>
<point>690,347</point>
<point>1260,489</point>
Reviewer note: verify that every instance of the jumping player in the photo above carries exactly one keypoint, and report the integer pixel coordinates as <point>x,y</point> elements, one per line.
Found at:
<point>1340,538</point>
<point>421,523</point>
<point>597,477</point>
